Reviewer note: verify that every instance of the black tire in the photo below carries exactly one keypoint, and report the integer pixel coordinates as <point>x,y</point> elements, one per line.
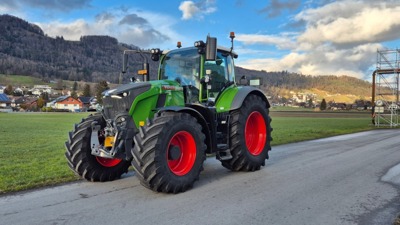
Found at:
<point>253,118</point>
<point>83,163</point>
<point>169,152</point>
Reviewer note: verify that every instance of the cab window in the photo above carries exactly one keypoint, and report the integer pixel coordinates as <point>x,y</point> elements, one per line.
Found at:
<point>182,66</point>
<point>222,71</point>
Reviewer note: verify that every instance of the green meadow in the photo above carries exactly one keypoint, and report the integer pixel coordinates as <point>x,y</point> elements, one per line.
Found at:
<point>32,144</point>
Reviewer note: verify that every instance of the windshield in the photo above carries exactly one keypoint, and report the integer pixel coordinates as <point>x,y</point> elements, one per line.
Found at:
<point>183,66</point>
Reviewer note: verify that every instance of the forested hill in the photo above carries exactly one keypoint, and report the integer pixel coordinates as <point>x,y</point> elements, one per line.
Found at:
<point>345,85</point>
<point>26,50</point>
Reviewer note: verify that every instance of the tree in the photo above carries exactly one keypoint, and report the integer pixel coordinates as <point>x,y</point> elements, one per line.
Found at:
<point>75,87</point>
<point>74,95</point>
<point>45,96</point>
<point>86,90</point>
<point>100,87</point>
<point>60,84</point>
<point>310,103</point>
<point>323,105</point>
<point>8,90</point>
<point>40,102</point>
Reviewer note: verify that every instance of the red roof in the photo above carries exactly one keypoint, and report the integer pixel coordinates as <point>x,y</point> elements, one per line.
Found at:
<point>71,101</point>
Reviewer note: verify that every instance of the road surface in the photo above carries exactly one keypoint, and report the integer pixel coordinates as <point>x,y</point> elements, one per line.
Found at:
<point>348,179</point>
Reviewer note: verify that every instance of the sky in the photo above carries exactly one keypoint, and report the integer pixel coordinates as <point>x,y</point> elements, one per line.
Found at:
<point>307,37</point>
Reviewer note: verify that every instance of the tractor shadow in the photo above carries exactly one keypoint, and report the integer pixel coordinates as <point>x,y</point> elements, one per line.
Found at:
<point>215,173</point>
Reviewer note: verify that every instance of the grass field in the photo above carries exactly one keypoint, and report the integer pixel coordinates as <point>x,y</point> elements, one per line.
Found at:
<point>32,149</point>
<point>29,81</point>
<point>18,80</point>
<point>32,144</point>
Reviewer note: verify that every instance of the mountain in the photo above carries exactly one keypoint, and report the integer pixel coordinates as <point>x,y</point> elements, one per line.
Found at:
<point>26,50</point>
<point>332,88</point>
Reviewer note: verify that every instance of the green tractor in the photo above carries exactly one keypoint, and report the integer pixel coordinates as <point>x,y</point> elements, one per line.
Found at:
<point>164,128</point>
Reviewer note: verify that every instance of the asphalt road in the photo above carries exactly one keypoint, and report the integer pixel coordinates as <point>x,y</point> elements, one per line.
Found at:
<point>349,179</point>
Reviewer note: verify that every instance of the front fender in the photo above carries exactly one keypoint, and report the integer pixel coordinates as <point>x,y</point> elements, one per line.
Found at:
<point>204,117</point>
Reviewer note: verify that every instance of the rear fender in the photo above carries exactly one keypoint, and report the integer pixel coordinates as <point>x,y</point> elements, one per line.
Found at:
<point>243,93</point>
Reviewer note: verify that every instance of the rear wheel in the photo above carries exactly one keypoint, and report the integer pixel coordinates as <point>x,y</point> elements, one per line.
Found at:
<point>169,152</point>
<point>80,159</point>
<point>250,135</point>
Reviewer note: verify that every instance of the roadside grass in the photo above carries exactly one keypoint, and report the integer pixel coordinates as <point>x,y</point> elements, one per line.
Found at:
<point>287,108</point>
<point>295,129</point>
<point>32,149</point>
<point>32,144</point>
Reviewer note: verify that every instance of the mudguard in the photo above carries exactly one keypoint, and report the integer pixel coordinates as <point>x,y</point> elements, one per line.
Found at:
<point>233,97</point>
<point>202,114</point>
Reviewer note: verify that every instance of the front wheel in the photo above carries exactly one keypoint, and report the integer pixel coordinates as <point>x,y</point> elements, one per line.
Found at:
<point>169,152</point>
<point>80,158</point>
<point>250,135</point>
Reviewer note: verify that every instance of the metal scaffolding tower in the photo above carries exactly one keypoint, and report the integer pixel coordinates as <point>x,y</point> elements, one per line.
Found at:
<point>385,88</point>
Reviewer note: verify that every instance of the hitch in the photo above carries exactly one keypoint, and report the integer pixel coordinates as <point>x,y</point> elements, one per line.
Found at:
<point>96,147</point>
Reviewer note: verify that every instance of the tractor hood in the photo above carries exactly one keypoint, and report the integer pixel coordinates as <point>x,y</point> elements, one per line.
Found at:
<point>126,88</point>
<point>119,100</point>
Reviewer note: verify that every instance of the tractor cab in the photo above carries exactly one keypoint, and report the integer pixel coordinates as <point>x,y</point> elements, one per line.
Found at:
<point>201,80</point>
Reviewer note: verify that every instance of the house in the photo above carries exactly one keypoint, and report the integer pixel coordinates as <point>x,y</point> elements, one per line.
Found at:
<point>18,91</point>
<point>66,103</point>
<point>5,102</point>
<point>31,105</point>
<point>337,106</point>
<point>2,89</point>
<point>87,102</point>
<point>18,101</point>
<point>39,89</point>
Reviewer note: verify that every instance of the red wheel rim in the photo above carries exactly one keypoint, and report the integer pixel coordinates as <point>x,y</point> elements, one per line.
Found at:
<point>255,133</point>
<point>187,145</point>
<point>106,162</point>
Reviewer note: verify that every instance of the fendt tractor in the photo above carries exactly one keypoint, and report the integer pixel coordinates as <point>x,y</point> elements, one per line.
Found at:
<point>165,128</point>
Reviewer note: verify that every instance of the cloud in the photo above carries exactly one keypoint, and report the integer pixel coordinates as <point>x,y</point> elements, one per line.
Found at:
<point>283,41</point>
<point>197,10</point>
<point>104,17</point>
<point>70,31</point>
<point>47,4</point>
<point>132,28</point>
<point>339,38</point>
<point>189,9</point>
<point>133,19</point>
<point>351,23</point>
<point>324,60</point>
<point>276,7</point>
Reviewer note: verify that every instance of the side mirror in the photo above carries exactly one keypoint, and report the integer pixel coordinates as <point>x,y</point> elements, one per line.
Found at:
<point>211,48</point>
<point>243,81</point>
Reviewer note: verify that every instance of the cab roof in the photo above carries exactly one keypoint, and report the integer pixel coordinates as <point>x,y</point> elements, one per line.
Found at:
<point>219,48</point>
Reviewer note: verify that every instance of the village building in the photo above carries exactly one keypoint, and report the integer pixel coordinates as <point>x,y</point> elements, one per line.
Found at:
<point>39,89</point>
<point>5,103</point>
<point>89,103</point>
<point>66,103</point>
